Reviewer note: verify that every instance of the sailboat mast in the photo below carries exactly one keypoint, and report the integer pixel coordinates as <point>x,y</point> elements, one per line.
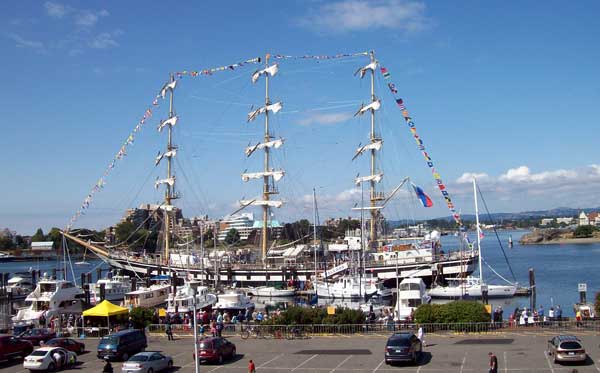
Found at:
<point>374,212</point>
<point>168,193</point>
<point>266,192</point>
<point>478,231</point>
<point>315,230</point>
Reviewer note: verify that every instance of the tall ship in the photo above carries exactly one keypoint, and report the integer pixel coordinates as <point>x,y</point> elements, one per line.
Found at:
<point>384,260</point>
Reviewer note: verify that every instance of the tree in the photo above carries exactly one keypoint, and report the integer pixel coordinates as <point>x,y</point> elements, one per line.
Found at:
<point>232,237</point>
<point>6,243</point>
<point>126,233</point>
<point>38,236</point>
<point>55,236</point>
<point>208,235</point>
<point>584,231</point>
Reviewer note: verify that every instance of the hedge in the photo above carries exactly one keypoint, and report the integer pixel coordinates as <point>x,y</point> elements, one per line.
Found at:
<point>453,312</point>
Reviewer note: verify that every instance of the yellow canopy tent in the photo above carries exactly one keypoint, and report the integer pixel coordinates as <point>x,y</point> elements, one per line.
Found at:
<point>105,309</point>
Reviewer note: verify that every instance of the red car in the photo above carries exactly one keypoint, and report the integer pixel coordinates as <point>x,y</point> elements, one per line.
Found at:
<point>67,344</point>
<point>11,347</point>
<point>37,335</point>
<point>215,349</point>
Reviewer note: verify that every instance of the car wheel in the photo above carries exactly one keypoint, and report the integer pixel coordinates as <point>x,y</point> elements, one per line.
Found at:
<point>150,370</point>
<point>125,356</point>
<point>233,353</point>
<point>51,367</point>
<point>387,362</point>
<point>170,365</point>
<point>81,350</point>
<point>220,358</point>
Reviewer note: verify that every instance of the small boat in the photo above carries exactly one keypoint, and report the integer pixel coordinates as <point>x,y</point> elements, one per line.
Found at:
<point>510,242</point>
<point>151,296</point>
<point>411,294</point>
<point>20,285</point>
<point>347,287</point>
<point>115,288</point>
<point>183,299</point>
<point>271,291</point>
<point>233,300</point>
<point>471,287</point>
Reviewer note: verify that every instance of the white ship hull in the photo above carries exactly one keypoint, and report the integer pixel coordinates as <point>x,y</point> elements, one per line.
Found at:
<point>270,291</point>
<point>474,291</point>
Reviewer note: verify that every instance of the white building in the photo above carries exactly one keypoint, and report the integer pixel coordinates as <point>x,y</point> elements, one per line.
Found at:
<point>43,249</point>
<point>546,221</point>
<point>243,223</point>
<point>566,221</point>
<point>583,219</point>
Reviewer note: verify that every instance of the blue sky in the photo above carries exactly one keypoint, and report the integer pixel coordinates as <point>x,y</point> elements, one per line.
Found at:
<point>502,90</point>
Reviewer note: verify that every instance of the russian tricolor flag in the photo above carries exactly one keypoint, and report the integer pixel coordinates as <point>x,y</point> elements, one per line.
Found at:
<point>425,200</point>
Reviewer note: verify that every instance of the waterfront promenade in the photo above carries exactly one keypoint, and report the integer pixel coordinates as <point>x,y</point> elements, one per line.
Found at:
<point>517,350</point>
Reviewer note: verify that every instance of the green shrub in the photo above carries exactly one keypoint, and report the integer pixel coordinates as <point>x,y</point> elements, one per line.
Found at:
<point>584,231</point>
<point>453,312</point>
<point>597,304</point>
<point>141,317</point>
<point>302,316</point>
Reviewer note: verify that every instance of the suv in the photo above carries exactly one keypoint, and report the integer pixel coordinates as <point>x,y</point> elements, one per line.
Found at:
<point>215,349</point>
<point>11,347</point>
<point>122,345</point>
<point>564,348</point>
<point>403,347</point>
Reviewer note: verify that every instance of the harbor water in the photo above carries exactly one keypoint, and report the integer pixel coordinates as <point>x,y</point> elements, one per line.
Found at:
<point>558,270</point>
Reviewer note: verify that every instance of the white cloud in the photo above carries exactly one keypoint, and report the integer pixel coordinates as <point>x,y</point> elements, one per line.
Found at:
<point>522,174</point>
<point>106,40</point>
<point>55,10</point>
<point>468,177</point>
<point>348,195</point>
<point>21,42</point>
<point>88,18</point>
<point>358,15</point>
<point>328,118</point>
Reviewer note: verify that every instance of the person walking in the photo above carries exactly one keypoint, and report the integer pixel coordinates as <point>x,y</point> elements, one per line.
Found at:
<point>251,367</point>
<point>493,363</point>
<point>421,336</point>
<point>169,331</point>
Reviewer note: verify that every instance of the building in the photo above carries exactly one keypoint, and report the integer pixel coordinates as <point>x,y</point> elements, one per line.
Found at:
<point>149,216</point>
<point>275,228</point>
<point>547,221</point>
<point>594,218</point>
<point>583,219</point>
<point>43,249</point>
<point>567,221</point>
<point>243,223</point>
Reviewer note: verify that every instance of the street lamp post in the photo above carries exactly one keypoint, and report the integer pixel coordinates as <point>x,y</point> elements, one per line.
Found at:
<point>195,324</point>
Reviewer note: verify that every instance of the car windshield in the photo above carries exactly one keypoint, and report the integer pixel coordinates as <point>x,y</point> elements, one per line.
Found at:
<point>38,353</point>
<point>571,345</point>
<point>399,342</point>
<point>53,342</point>
<point>139,358</point>
<point>109,340</point>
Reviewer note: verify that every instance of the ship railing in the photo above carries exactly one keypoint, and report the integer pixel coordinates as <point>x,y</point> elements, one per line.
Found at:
<point>385,328</point>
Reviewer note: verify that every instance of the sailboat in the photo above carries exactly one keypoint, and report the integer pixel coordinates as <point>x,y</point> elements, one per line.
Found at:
<point>83,262</point>
<point>473,286</point>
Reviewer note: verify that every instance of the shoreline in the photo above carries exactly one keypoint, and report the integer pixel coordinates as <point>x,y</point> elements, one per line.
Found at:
<point>562,241</point>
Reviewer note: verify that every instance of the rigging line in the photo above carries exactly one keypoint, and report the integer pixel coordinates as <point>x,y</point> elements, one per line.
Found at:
<point>187,180</point>
<point>132,233</point>
<point>496,232</point>
<point>497,274</point>
<point>219,101</point>
<point>144,183</point>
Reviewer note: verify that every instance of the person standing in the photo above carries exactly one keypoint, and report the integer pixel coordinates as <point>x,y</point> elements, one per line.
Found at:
<point>421,336</point>
<point>493,363</point>
<point>251,367</point>
<point>169,331</point>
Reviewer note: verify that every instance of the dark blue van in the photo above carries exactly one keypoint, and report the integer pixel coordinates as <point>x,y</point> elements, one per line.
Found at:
<point>122,345</point>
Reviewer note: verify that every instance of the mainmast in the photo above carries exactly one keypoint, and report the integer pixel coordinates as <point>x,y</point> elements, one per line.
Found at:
<point>374,145</point>
<point>171,151</point>
<point>268,175</point>
<point>478,231</point>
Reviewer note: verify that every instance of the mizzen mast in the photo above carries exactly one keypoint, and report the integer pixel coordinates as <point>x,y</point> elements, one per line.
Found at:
<point>268,175</point>
<point>171,151</point>
<point>374,145</point>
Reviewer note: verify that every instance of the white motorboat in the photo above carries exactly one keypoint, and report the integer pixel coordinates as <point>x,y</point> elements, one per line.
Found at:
<point>347,287</point>
<point>115,288</point>
<point>183,299</point>
<point>471,287</point>
<point>374,304</point>
<point>412,293</point>
<point>271,291</point>
<point>233,300</point>
<point>20,285</point>
<point>50,298</point>
<point>151,296</point>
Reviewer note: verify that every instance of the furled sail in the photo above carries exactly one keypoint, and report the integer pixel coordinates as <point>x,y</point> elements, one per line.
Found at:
<point>273,107</point>
<point>169,122</point>
<point>363,70</point>
<point>375,105</point>
<point>270,144</point>
<point>271,70</point>
<point>160,156</point>
<point>377,178</point>
<point>168,86</point>
<point>170,181</point>
<point>277,175</point>
<point>257,202</point>
<point>374,145</point>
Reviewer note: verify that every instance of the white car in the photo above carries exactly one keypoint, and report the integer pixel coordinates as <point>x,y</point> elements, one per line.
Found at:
<point>49,359</point>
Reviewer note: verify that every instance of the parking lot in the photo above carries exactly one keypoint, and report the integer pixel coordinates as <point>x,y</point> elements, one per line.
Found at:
<point>516,352</point>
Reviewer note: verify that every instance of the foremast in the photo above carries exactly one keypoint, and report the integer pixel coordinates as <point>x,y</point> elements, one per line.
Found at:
<point>374,145</point>
<point>171,151</point>
<point>268,175</point>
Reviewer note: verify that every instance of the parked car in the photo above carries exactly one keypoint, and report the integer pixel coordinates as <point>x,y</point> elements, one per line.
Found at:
<point>216,349</point>
<point>566,348</point>
<point>403,347</point>
<point>67,344</point>
<point>11,347</point>
<point>50,359</point>
<point>37,335</point>
<point>122,345</point>
<point>147,362</point>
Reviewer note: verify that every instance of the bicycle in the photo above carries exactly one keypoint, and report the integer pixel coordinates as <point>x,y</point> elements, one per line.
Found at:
<point>253,331</point>
<point>296,333</point>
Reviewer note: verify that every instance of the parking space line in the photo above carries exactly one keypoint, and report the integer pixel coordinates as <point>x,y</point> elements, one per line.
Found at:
<point>342,363</point>
<point>548,361</point>
<point>273,359</point>
<point>379,366</point>
<point>505,363</point>
<point>305,361</point>
<point>464,360</point>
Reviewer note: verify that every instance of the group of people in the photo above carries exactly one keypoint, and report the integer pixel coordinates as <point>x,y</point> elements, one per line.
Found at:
<point>525,317</point>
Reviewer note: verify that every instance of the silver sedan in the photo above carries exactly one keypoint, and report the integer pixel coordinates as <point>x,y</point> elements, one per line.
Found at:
<point>147,362</point>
